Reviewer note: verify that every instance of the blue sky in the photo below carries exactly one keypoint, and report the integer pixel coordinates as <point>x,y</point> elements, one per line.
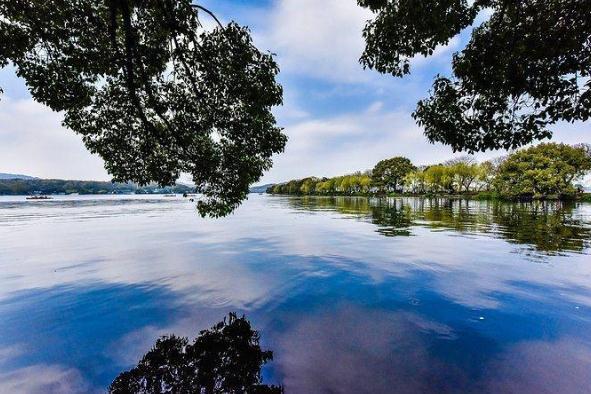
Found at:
<point>339,117</point>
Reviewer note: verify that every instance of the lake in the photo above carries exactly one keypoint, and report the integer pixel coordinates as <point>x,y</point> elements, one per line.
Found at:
<point>352,295</point>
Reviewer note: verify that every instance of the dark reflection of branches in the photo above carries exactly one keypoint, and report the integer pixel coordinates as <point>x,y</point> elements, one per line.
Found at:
<point>549,227</point>
<point>393,219</point>
<point>225,359</point>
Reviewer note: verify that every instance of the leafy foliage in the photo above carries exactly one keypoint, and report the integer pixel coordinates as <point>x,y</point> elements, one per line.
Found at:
<point>546,169</point>
<point>389,174</point>
<point>440,178</point>
<point>225,359</point>
<point>149,91</point>
<point>524,69</point>
<point>405,28</point>
<point>357,183</point>
<point>465,172</point>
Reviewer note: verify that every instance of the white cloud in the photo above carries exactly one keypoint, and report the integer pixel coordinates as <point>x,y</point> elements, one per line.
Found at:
<point>9,352</point>
<point>33,142</point>
<point>318,38</point>
<point>44,379</point>
<point>352,142</point>
<point>324,40</point>
<point>375,107</point>
<point>357,140</point>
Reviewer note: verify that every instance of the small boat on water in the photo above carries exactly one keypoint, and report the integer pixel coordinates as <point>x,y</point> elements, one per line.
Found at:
<point>39,198</point>
<point>170,195</point>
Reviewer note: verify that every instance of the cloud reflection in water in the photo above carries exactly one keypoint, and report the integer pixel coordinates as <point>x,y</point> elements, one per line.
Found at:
<point>351,295</point>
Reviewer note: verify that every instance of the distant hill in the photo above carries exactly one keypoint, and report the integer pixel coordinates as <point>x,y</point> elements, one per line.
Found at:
<point>4,176</point>
<point>261,188</point>
<point>59,186</point>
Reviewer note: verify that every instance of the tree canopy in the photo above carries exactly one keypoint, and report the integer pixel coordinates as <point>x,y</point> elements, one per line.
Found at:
<point>543,170</point>
<point>389,174</point>
<point>346,184</point>
<point>225,359</point>
<point>150,91</point>
<point>526,67</point>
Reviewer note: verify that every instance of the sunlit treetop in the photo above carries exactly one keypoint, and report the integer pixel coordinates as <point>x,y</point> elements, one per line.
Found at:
<point>525,67</point>
<point>151,91</point>
<point>543,170</point>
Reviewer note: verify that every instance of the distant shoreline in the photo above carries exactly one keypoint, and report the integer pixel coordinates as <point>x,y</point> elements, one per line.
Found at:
<point>53,187</point>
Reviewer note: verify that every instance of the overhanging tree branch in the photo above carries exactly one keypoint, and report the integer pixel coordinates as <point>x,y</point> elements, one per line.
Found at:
<point>110,74</point>
<point>198,7</point>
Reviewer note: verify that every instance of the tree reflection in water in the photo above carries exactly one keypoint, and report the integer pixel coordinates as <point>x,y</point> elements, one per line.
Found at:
<point>225,359</point>
<point>548,227</point>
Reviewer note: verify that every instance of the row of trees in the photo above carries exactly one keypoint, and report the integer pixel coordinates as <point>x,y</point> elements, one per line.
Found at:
<point>357,183</point>
<point>540,171</point>
<point>462,175</point>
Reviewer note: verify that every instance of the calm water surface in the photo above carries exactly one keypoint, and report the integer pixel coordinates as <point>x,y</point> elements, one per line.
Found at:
<point>352,295</point>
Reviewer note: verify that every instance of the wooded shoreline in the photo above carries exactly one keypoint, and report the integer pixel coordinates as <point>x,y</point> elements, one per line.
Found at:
<point>543,172</point>
<point>584,197</point>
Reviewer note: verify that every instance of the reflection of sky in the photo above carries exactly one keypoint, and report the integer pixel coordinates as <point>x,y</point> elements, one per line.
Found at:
<point>87,287</point>
<point>70,325</point>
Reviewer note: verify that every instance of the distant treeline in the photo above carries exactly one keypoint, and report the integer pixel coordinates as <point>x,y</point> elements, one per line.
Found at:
<point>59,186</point>
<point>543,171</point>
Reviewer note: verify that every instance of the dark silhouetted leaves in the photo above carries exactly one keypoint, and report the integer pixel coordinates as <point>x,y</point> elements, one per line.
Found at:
<point>150,91</point>
<point>524,69</point>
<point>225,359</point>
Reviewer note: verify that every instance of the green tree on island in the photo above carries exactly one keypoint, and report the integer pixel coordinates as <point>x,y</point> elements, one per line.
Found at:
<point>388,175</point>
<point>415,181</point>
<point>151,91</point>
<point>465,172</point>
<point>526,67</point>
<point>440,178</point>
<point>543,170</point>
<point>487,172</point>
